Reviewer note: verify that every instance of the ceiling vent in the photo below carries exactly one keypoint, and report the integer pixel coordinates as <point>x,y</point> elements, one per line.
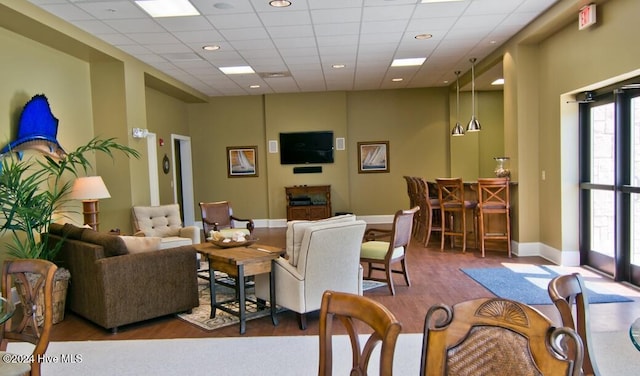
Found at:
<point>275,74</point>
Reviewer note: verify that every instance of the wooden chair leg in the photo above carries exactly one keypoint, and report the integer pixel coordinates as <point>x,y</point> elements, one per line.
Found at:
<point>464,230</point>
<point>390,280</point>
<point>302,321</point>
<point>444,227</point>
<point>405,271</point>
<point>428,229</point>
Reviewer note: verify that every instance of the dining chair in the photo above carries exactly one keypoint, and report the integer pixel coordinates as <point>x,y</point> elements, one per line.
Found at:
<point>452,203</point>
<point>218,216</point>
<point>493,201</point>
<point>352,310</point>
<point>33,278</point>
<point>494,336</point>
<point>569,295</point>
<point>381,255</point>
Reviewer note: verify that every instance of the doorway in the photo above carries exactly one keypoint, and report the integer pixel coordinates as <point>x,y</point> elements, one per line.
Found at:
<point>183,177</point>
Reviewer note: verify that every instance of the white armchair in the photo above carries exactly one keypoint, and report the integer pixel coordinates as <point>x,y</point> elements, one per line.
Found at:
<point>164,221</point>
<point>322,255</point>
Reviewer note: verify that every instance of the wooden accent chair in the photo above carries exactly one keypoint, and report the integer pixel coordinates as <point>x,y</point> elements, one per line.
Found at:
<point>452,202</point>
<point>380,255</point>
<point>351,309</point>
<point>494,200</point>
<point>28,329</point>
<point>218,216</point>
<point>493,336</point>
<point>569,294</point>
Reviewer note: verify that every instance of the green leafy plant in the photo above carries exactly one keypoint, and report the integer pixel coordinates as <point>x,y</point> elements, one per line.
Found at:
<point>32,190</point>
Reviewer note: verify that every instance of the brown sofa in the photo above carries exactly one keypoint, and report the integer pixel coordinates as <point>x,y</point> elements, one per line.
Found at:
<point>112,287</point>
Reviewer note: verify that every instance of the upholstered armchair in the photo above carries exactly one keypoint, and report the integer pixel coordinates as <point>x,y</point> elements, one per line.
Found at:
<point>164,221</point>
<point>322,255</point>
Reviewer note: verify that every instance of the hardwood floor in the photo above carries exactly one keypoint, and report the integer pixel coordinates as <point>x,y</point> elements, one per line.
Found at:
<point>435,278</point>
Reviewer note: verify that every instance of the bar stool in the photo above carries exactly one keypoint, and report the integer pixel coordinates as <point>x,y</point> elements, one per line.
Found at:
<point>414,199</point>
<point>493,198</point>
<point>452,202</point>
<point>429,211</point>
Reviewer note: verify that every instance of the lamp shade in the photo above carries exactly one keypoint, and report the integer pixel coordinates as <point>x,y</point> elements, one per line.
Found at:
<point>89,188</point>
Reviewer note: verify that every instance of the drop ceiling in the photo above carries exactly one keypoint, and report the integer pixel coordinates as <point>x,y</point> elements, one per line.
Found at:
<point>294,49</point>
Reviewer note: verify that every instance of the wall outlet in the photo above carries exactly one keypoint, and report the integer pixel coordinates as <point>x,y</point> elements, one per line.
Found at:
<point>544,175</point>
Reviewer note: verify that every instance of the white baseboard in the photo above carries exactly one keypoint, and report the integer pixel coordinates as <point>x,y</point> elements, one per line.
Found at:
<point>562,258</point>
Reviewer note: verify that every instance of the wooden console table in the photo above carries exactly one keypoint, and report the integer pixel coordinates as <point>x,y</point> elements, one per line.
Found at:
<point>308,202</point>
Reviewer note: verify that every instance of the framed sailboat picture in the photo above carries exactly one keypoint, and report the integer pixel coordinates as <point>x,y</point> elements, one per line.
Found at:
<point>373,156</point>
<point>242,161</point>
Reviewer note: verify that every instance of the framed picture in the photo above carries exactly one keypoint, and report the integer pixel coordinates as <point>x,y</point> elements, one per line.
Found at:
<point>242,161</point>
<point>373,156</point>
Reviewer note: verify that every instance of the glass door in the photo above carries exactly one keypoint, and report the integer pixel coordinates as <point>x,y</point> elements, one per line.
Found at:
<point>610,183</point>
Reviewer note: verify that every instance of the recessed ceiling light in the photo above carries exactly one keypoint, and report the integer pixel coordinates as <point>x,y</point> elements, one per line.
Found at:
<point>254,86</point>
<point>499,81</point>
<point>280,3</point>
<point>423,36</point>
<point>338,66</point>
<point>415,61</point>
<point>168,8</point>
<point>397,79</point>
<point>242,69</point>
<point>212,47</point>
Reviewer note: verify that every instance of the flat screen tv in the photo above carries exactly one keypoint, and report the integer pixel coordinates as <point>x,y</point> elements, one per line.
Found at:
<point>306,147</point>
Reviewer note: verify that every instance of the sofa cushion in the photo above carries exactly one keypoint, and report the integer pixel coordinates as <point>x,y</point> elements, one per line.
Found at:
<point>113,245</point>
<point>137,244</point>
<point>295,233</point>
<point>173,241</point>
<point>377,250</point>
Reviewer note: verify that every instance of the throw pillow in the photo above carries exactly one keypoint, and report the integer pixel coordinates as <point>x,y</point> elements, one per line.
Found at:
<point>137,244</point>
<point>72,231</point>
<point>113,245</point>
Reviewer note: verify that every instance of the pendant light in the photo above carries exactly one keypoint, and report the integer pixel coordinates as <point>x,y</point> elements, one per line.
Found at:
<point>457,129</point>
<point>474,124</point>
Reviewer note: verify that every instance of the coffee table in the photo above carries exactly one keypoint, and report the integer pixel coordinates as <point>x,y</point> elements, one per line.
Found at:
<point>238,263</point>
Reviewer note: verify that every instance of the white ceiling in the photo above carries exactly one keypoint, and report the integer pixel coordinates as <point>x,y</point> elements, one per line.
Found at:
<point>304,40</point>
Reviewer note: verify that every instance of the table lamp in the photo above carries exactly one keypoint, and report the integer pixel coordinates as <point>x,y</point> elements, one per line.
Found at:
<point>90,189</point>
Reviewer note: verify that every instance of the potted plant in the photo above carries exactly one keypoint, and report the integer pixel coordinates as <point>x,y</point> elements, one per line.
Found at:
<point>35,189</point>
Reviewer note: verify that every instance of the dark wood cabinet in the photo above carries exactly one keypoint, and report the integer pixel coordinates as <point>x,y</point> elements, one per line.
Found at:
<point>308,202</point>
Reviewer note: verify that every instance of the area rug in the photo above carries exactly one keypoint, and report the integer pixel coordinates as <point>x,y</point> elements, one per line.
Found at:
<point>528,283</point>
<point>199,316</point>
<point>370,285</point>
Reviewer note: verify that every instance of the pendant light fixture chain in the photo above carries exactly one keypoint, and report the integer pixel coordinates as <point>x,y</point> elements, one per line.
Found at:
<point>457,129</point>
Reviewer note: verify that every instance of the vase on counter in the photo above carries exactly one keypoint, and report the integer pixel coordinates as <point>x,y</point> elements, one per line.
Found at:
<point>502,168</point>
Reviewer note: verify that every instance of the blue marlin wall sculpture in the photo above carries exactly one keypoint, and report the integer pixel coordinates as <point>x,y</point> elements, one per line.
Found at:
<point>37,130</point>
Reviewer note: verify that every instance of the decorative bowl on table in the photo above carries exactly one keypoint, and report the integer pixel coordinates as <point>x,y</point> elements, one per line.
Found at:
<point>229,243</point>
